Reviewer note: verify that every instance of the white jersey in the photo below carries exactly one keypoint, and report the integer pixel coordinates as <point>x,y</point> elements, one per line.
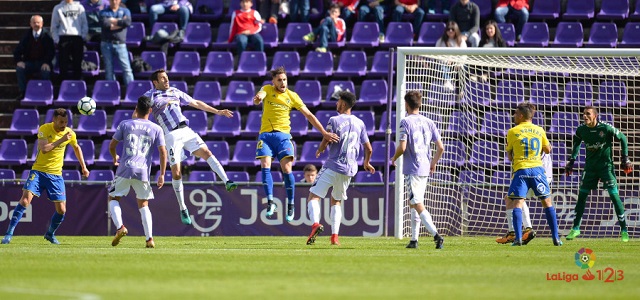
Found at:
<point>166,107</point>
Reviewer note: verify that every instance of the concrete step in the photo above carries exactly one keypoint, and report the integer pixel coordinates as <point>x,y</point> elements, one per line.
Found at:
<point>13,33</point>
<point>7,47</point>
<point>23,18</point>
<point>41,6</point>
<point>6,61</point>
<point>7,76</point>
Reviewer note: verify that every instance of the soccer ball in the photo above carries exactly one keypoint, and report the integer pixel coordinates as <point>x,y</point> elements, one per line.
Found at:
<point>86,106</point>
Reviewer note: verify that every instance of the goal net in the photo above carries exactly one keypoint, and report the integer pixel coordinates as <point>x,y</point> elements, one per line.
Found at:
<point>471,95</point>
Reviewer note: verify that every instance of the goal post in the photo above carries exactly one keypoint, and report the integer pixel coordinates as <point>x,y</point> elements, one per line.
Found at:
<point>470,94</point>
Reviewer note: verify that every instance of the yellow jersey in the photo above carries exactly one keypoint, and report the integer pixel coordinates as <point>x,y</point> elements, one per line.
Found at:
<point>51,162</point>
<point>525,142</point>
<point>276,109</point>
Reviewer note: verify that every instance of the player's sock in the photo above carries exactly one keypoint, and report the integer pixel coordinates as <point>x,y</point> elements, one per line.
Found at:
<point>313,209</point>
<point>267,183</point>
<point>510,219</point>
<point>290,186</point>
<point>215,165</point>
<point>336,218</point>
<point>618,207</point>
<point>425,216</point>
<point>147,221</point>
<point>116,213</point>
<point>415,224</point>
<point>582,201</point>
<point>550,213</point>
<point>56,219</point>
<point>517,223</point>
<point>526,217</point>
<point>178,188</point>
<point>15,218</point>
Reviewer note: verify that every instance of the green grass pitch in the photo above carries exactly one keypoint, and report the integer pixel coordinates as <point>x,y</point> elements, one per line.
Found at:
<point>285,268</point>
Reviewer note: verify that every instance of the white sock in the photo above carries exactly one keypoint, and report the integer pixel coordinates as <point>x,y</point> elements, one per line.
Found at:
<point>147,222</point>
<point>415,225</point>
<point>313,209</point>
<point>177,187</point>
<point>526,218</point>
<point>215,165</point>
<point>336,218</point>
<point>116,213</point>
<point>510,219</point>
<point>425,216</point>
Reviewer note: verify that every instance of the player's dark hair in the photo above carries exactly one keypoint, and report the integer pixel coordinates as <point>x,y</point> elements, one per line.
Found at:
<point>154,75</point>
<point>60,112</point>
<point>310,168</point>
<point>595,109</point>
<point>348,97</point>
<point>143,106</point>
<point>526,110</point>
<point>413,99</point>
<point>334,6</point>
<point>277,71</point>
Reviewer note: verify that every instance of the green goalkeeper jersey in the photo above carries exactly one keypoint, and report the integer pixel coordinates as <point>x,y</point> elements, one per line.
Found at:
<point>598,142</point>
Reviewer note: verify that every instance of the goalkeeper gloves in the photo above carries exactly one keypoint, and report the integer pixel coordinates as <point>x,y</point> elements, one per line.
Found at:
<point>568,169</point>
<point>626,165</point>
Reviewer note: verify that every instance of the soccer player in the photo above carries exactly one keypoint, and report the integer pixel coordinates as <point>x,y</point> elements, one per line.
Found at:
<point>139,136</point>
<point>525,142</point>
<point>274,140</point>
<point>598,140</point>
<point>46,173</point>
<point>310,173</point>
<point>177,134</point>
<point>417,132</point>
<point>340,167</point>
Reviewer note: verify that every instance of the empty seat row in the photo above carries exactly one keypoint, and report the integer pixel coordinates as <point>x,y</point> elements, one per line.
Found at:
<point>571,35</point>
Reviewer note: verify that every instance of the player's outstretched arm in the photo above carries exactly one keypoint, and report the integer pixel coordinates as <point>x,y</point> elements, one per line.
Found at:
<point>400,148</point>
<point>112,151</point>
<point>206,107</point>
<point>257,99</point>
<point>83,167</point>
<point>329,136</point>
<point>163,165</point>
<point>437,156</point>
<point>368,150</point>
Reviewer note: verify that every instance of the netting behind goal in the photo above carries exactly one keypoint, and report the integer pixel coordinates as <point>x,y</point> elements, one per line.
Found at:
<point>471,94</point>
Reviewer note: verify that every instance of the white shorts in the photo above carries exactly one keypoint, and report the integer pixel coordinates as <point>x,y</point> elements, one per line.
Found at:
<point>181,138</point>
<point>417,188</point>
<point>328,178</point>
<point>120,187</point>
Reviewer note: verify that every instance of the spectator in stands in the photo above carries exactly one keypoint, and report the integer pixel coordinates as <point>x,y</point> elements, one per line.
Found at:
<point>467,15</point>
<point>69,29</point>
<point>270,8</point>
<point>246,24</point>
<point>181,7</point>
<point>310,173</point>
<point>92,9</point>
<point>34,54</point>
<point>299,10</point>
<point>347,8</point>
<point>518,9</point>
<point>491,37</point>
<point>115,21</point>
<point>430,6</point>
<point>376,9</point>
<point>331,29</point>
<point>411,7</point>
<point>452,37</point>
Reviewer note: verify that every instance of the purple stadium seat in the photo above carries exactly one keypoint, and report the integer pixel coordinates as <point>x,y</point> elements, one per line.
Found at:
<point>71,175</point>
<point>569,35</point>
<point>380,152</point>
<point>383,124</point>
<point>135,89</point>
<point>197,121</point>
<point>299,175</point>
<point>455,154</point>
<point>323,117</point>
<point>269,35</point>
<point>244,154</point>
<point>613,10</point>
<point>429,34</point>
<point>215,10</point>
<point>564,123</point>
<point>104,157</point>
<point>48,118</point>
<point>399,34</point>
<point>135,34</point>
<point>437,176</point>
<point>308,154</point>
<point>496,123</point>
<point>119,116</point>
<point>534,34</point>
<point>186,63</point>
<point>578,93</point>
<point>365,176</point>
<point>24,122</point>
<point>7,174</point>
<point>101,175</point>
<point>13,152</point>
<point>603,35</point>
<point>106,93</point>
<point>208,91</point>
<point>630,36</point>
<point>334,87</point>
<point>94,57</point>
<point>225,127</point>
<point>219,149</point>
<point>25,174</point>
<point>169,27</point>
<point>293,35</point>
<point>180,85</point>
<point>290,60</point>
<point>200,176</point>
<point>486,8</point>
<point>606,118</point>
<point>222,38</point>
<point>476,93</point>
<point>508,31</point>
<point>544,93</point>
<point>310,91</point>
<point>70,92</point>
<point>254,121</point>
<point>485,154</point>
<point>545,10</point>
<point>441,96</point>
<point>238,176</point>
<point>380,64</point>
<point>196,36</point>
<point>299,124</point>
<point>579,10</point>
<point>351,64</point>
<point>509,93</point>
<point>275,175</point>
<point>252,64</point>
<point>613,94</point>
<point>368,118</point>
<point>635,16</point>
<point>501,177</point>
<point>464,123</point>
<point>157,60</point>
<point>373,92</point>
<point>88,152</point>
<point>239,94</point>
<point>168,178</point>
<point>559,154</point>
<point>94,125</point>
<point>318,64</point>
<point>364,35</point>
<point>38,93</point>
<point>218,64</point>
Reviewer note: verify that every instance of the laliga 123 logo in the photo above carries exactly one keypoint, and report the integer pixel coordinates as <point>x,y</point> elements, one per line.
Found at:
<point>585,258</point>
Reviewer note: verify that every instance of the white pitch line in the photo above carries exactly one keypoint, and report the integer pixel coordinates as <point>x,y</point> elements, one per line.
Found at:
<point>70,295</point>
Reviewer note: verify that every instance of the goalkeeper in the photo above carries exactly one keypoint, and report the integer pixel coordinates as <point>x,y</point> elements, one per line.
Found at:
<point>598,140</point>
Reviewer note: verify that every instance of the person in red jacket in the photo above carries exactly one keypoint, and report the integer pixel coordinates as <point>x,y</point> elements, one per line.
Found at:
<point>246,24</point>
<point>516,9</point>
